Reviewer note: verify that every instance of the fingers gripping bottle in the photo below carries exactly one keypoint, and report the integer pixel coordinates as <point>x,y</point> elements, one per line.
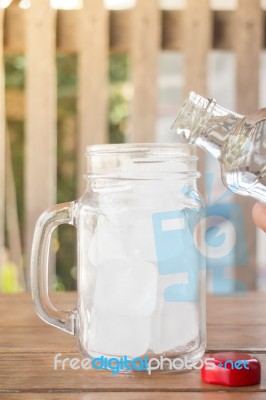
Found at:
<point>238,142</point>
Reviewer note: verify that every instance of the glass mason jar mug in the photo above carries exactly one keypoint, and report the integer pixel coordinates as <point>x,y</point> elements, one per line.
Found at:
<point>141,268</point>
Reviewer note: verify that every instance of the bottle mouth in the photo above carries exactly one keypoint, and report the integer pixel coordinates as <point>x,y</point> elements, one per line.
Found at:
<point>142,161</point>
<point>192,116</point>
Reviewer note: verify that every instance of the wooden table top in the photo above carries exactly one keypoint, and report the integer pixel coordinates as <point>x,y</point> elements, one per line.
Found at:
<point>28,347</point>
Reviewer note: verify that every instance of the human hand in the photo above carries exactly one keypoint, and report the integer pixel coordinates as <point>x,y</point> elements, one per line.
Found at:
<point>259,215</point>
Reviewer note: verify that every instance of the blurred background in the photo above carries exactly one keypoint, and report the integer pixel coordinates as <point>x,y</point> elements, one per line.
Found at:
<point>75,73</point>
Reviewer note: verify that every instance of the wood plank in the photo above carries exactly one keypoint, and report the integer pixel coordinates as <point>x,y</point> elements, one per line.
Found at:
<point>92,78</point>
<point>27,357</point>
<point>264,28</point>
<point>235,338</point>
<point>44,338</point>
<point>232,328</point>
<point>224,311</point>
<point>196,43</point>
<point>34,339</point>
<point>15,29</point>
<point>68,38</point>
<point>15,105</point>
<point>172,30</point>
<point>248,30</point>
<point>144,53</point>
<point>136,396</point>
<point>36,373</point>
<point>238,309</point>
<point>197,34</point>
<point>223,26</point>
<point>172,25</point>
<point>247,46</point>
<point>40,119</point>
<point>120,30</point>
<point>12,220</point>
<point>2,142</point>
<point>67,30</point>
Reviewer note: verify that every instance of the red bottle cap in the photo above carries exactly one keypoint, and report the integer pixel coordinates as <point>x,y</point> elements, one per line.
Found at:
<point>231,369</point>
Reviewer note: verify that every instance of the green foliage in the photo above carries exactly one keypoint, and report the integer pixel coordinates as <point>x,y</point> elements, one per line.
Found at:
<point>9,278</point>
<point>66,74</point>
<point>16,132</point>
<point>118,102</point>
<point>14,66</point>
<point>66,163</point>
<point>58,285</point>
<point>15,79</point>
<point>119,95</point>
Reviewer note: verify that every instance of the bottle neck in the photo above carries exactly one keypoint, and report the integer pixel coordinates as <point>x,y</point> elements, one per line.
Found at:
<point>205,123</point>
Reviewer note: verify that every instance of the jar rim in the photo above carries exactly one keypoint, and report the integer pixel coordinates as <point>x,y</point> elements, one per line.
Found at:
<point>113,160</point>
<point>170,149</point>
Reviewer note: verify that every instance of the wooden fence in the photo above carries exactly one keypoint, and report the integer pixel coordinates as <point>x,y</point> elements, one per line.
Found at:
<point>91,33</point>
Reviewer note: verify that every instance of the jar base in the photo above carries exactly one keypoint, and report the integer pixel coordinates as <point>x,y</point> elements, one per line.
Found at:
<point>174,362</point>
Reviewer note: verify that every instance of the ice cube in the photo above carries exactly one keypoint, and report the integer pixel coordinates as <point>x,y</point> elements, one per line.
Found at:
<point>126,233</point>
<point>87,270</point>
<point>160,195</point>
<point>126,287</point>
<point>125,226</point>
<point>106,242</point>
<point>174,324</point>
<point>137,234</point>
<point>86,283</point>
<point>117,335</point>
<point>165,281</point>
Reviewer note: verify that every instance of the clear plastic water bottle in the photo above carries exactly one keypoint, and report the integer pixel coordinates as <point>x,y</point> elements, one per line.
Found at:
<point>238,142</point>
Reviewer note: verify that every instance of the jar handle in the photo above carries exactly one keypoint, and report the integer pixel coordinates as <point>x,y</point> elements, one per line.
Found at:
<point>47,222</point>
